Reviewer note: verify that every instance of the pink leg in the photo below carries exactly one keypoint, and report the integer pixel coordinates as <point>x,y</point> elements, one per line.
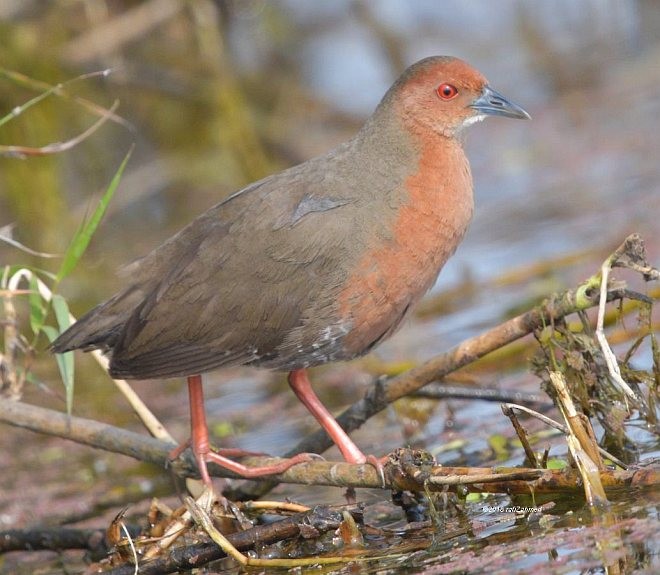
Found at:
<point>201,447</point>
<point>301,386</point>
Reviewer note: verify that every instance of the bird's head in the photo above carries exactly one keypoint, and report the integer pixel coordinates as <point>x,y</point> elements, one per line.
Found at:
<point>446,94</point>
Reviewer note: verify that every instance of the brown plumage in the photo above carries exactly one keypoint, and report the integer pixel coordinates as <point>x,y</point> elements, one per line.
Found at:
<point>315,264</point>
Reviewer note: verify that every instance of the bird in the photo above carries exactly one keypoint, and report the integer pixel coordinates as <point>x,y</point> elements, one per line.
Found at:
<point>318,263</point>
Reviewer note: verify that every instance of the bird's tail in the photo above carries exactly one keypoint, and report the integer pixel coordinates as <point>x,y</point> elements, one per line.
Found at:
<point>100,327</point>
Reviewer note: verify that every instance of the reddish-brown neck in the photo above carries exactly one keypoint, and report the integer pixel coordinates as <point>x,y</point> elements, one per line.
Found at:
<point>435,208</point>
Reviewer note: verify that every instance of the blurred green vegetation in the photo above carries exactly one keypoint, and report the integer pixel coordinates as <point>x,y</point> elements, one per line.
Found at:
<point>195,117</point>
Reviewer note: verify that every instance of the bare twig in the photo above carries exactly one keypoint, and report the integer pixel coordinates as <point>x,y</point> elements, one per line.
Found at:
<point>441,391</point>
<point>342,474</point>
<point>86,432</point>
<point>522,435</point>
<point>58,147</point>
<point>562,428</point>
<point>54,539</point>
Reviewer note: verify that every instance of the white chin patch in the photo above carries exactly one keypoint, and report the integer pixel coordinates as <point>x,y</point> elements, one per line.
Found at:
<point>473,120</point>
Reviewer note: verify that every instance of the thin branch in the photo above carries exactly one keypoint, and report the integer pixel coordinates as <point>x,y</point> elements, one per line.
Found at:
<point>522,435</point>
<point>58,147</point>
<point>54,539</point>
<point>120,441</point>
<point>441,391</point>
<point>401,472</point>
<point>60,90</point>
<point>86,432</point>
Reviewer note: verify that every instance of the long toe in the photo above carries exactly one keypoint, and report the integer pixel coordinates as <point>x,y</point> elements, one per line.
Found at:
<point>261,471</point>
<point>236,452</point>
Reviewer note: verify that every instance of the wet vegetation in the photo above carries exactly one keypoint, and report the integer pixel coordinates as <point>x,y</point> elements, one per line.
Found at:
<point>519,408</point>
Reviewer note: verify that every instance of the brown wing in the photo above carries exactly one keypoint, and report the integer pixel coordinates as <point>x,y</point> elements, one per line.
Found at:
<point>242,283</point>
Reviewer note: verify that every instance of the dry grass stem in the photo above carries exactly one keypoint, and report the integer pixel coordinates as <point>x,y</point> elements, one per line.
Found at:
<point>561,427</point>
<point>581,443</point>
<point>58,147</point>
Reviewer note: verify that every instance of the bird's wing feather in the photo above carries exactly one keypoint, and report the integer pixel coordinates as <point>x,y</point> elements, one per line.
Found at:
<point>211,307</point>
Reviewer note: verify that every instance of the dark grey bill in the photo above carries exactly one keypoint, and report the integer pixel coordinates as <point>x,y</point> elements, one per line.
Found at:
<point>494,104</point>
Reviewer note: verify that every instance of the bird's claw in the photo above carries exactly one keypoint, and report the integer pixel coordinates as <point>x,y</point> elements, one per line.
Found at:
<point>377,463</point>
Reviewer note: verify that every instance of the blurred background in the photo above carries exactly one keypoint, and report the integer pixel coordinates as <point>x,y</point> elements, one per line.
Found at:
<point>216,94</point>
<point>220,93</point>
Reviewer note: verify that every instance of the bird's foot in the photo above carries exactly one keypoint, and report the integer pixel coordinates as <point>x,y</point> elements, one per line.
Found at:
<point>177,451</point>
<point>301,386</point>
<point>223,451</point>
<point>378,464</point>
<point>221,457</point>
<point>356,457</point>
<point>251,472</point>
<point>375,462</point>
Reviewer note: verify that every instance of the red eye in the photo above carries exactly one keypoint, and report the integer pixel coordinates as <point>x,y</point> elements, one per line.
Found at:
<point>446,91</point>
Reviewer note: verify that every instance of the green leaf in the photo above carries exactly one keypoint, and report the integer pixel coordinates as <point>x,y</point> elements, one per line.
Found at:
<point>64,360</point>
<point>84,234</point>
<point>37,307</point>
<point>61,312</point>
